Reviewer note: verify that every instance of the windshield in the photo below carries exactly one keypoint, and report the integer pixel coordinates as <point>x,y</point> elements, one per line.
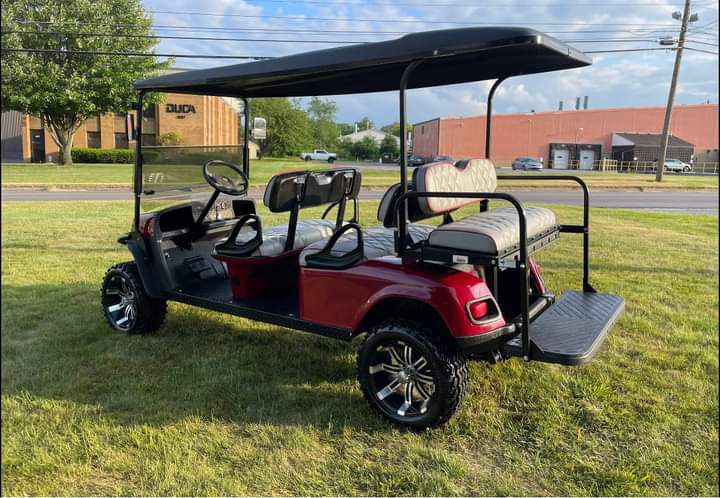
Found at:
<point>173,175</point>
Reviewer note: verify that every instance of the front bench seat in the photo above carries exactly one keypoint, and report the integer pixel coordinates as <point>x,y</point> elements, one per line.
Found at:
<point>377,242</point>
<point>291,192</point>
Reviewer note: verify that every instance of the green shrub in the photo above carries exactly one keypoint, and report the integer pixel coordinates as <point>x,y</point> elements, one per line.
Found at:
<point>118,156</point>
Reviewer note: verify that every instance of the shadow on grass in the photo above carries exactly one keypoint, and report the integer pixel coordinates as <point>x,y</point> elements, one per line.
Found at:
<point>57,345</point>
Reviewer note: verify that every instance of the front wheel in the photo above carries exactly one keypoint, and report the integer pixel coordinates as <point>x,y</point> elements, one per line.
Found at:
<point>686,169</point>
<point>411,375</point>
<point>126,306</point>
<point>306,158</point>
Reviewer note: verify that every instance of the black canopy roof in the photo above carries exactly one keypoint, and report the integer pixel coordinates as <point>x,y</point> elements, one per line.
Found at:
<point>451,56</point>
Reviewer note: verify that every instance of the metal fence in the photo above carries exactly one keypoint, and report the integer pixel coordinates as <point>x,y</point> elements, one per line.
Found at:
<point>702,168</point>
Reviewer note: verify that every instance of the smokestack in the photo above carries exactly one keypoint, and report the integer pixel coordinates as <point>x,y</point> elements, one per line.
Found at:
<point>577,104</point>
<point>560,106</point>
<point>585,102</point>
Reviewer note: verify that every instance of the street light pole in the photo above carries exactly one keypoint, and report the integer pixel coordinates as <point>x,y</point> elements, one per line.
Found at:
<point>673,85</point>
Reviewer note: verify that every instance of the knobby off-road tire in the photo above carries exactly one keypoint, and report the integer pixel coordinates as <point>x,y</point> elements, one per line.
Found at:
<point>395,365</point>
<point>126,306</point>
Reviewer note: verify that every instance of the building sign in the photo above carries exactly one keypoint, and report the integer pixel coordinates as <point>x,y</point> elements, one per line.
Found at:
<point>180,109</point>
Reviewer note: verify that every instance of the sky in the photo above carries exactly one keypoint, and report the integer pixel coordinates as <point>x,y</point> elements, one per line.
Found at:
<point>621,79</point>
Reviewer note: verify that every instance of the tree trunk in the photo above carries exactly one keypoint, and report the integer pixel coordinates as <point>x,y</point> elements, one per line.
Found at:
<point>63,135</point>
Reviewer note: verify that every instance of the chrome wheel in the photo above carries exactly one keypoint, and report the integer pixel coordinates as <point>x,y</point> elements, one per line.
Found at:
<point>401,379</point>
<point>120,303</point>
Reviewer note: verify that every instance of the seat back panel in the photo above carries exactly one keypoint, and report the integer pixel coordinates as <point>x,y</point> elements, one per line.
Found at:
<point>474,175</point>
<point>303,189</point>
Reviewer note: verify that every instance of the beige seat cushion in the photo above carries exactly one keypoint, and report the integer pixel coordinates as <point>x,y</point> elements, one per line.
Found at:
<point>274,238</point>
<point>495,231</point>
<point>377,242</point>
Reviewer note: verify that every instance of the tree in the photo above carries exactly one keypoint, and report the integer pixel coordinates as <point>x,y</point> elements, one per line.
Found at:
<point>366,148</point>
<point>65,89</point>
<point>289,130</point>
<point>365,124</point>
<point>322,114</point>
<point>392,129</point>
<point>345,128</point>
<point>390,145</point>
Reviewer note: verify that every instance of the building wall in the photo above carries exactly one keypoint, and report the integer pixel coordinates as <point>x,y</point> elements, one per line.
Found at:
<point>425,138</point>
<point>529,134</point>
<point>210,121</point>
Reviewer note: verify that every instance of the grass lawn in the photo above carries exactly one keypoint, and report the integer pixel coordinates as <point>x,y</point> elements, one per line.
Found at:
<point>218,405</point>
<point>120,176</point>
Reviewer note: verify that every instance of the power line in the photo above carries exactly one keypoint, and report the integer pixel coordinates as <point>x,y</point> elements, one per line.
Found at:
<point>702,43</point>
<point>260,40</point>
<point>353,19</point>
<point>626,50</point>
<point>431,4</point>
<point>169,37</point>
<point>130,54</point>
<point>702,50</point>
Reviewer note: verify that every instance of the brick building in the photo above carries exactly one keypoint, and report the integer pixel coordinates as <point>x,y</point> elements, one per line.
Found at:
<point>199,120</point>
<point>577,134</point>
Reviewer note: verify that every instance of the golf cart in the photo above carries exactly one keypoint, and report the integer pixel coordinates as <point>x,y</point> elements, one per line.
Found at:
<point>428,298</point>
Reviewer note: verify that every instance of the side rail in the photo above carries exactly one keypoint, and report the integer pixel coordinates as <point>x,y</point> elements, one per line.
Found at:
<point>583,229</point>
<point>522,263</point>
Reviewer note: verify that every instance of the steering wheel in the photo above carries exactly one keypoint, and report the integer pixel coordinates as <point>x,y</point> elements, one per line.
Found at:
<point>223,183</point>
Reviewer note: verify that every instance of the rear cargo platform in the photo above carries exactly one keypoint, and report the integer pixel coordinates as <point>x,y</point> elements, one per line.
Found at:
<point>572,330</point>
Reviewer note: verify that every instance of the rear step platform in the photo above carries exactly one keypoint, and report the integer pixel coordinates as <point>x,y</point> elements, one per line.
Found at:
<point>572,330</point>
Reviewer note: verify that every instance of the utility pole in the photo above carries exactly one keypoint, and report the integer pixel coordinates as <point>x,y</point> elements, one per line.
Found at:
<point>673,85</point>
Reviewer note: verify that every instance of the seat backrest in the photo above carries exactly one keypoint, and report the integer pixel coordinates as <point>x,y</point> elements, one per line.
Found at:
<point>473,175</point>
<point>302,189</point>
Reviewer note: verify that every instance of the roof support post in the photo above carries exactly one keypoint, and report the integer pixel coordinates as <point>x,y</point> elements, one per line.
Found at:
<point>401,233</point>
<point>137,176</point>
<point>246,137</point>
<point>485,203</point>
<point>488,119</point>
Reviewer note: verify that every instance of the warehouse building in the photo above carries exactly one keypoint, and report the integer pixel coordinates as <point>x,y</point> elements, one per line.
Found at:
<point>195,121</point>
<point>562,137</point>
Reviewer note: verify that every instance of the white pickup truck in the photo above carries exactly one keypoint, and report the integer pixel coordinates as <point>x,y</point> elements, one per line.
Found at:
<point>319,155</point>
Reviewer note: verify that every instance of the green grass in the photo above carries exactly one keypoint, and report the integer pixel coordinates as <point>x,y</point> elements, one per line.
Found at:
<point>215,405</point>
<point>120,176</point>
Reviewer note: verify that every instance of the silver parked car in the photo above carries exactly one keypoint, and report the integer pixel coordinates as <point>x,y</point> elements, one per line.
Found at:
<point>526,163</point>
<point>677,165</point>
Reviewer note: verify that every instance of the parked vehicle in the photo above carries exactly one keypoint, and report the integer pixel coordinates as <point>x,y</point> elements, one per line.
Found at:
<point>677,165</point>
<point>526,163</point>
<point>427,298</point>
<point>415,161</point>
<point>442,159</point>
<point>319,155</point>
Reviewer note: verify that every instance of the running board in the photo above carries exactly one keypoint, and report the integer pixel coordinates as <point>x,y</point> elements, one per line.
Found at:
<point>571,331</point>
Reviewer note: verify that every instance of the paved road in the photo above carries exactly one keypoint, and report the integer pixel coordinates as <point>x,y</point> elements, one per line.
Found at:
<point>684,201</point>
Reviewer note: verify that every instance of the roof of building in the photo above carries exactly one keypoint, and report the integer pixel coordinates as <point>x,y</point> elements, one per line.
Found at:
<point>449,56</point>
<point>653,140</point>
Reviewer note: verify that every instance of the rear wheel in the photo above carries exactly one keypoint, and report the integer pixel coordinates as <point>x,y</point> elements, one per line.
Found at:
<point>331,160</point>
<point>126,306</point>
<point>410,375</point>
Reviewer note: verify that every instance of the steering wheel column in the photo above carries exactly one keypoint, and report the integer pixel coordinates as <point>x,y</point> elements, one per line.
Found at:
<point>222,184</point>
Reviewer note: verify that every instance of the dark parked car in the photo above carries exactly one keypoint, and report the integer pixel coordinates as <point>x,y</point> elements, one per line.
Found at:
<point>415,161</point>
<point>526,163</point>
<point>442,159</point>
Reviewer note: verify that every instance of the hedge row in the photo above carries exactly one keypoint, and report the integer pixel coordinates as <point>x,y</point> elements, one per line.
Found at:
<point>87,155</point>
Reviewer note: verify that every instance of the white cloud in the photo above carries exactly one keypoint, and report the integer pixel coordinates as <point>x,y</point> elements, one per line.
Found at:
<point>614,80</point>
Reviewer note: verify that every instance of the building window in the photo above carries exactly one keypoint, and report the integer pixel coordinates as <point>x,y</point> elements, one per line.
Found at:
<point>149,139</point>
<point>93,139</point>
<point>422,130</point>
<point>121,141</point>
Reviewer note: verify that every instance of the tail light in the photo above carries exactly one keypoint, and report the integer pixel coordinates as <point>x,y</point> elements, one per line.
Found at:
<point>482,310</point>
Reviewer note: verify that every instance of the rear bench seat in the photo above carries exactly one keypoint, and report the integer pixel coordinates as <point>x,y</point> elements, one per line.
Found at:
<point>494,232</point>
